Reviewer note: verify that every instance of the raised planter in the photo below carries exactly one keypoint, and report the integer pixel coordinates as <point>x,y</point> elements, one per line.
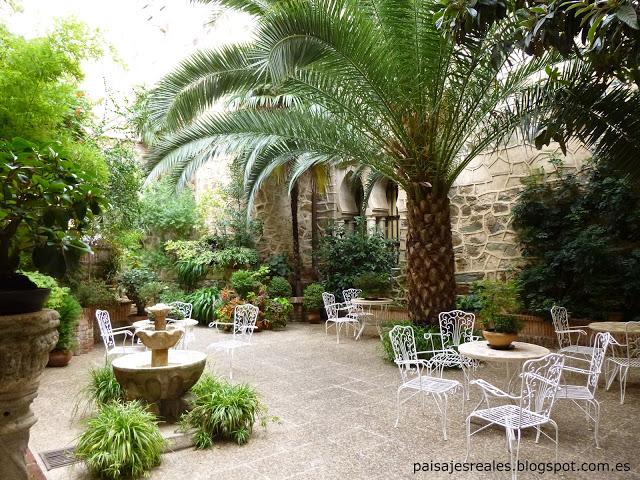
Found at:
<point>25,342</point>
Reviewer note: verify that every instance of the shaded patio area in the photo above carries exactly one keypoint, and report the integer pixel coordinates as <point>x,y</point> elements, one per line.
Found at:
<point>336,410</point>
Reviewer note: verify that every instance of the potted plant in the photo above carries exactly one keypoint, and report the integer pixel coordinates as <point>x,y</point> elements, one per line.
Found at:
<point>374,286</point>
<point>277,312</point>
<point>46,202</point>
<point>499,301</point>
<point>133,281</point>
<point>312,301</point>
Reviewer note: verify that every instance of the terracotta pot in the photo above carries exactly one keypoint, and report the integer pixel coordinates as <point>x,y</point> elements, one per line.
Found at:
<point>500,341</point>
<point>313,317</point>
<point>59,358</point>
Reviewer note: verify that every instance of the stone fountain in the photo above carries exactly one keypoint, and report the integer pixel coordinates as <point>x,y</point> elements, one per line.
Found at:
<point>163,375</point>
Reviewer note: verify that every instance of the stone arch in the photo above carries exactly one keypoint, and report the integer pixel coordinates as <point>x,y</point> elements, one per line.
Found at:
<point>350,195</point>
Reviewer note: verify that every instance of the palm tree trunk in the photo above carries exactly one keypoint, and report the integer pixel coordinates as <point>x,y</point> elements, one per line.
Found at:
<point>431,280</point>
<point>295,231</point>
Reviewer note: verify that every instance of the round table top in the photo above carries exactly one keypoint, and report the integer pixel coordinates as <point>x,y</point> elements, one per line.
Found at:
<point>614,327</point>
<point>520,352</point>
<point>372,302</point>
<point>188,322</point>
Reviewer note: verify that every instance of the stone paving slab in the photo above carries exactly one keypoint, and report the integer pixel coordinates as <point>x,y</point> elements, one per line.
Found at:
<point>336,405</point>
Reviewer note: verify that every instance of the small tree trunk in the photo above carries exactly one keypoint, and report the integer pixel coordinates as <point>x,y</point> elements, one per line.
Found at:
<point>431,280</point>
<point>297,259</point>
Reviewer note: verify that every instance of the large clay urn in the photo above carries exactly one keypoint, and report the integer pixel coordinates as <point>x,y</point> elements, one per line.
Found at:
<point>25,342</point>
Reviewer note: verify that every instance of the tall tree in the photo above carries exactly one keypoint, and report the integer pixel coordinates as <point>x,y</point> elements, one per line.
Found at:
<point>372,84</point>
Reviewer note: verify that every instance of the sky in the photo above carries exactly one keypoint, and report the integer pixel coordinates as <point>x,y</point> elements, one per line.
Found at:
<point>149,37</point>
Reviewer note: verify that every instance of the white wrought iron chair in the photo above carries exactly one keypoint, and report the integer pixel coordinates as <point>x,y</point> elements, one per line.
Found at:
<point>416,374</point>
<point>540,380</point>
<point>586,392</point>
<point>244,323</point>
<point>560,318</point>
<point>108,335</point>
<point>333,316</point>
<point>626,356</point>
<point>355,311</point>
<point>186,309</point>
<point>456,327</point>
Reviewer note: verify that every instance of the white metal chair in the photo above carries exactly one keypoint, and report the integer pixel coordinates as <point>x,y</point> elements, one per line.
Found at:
<point>416,374</point>
<point>540,380</point>
<point>456,327</point>
<point>355,311</point>
<point>560,318</point>
<point>185,309</point>
<point>108,335</point>
<point>244,323</point>
<point>626,356</point>
<point>586,392</point>
<point>333,316</point>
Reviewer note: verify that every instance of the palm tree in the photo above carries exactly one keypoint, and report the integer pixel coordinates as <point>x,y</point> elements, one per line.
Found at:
<point>366,83</point>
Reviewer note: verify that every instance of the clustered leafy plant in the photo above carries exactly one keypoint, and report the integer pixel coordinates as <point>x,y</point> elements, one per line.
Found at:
<point>312,297</point>
<point>345,256</point>
<point>279,287</point>
<point>122,440</point>
<point>223,411</point>
<point>94,293</point>
<point>422,344</point>
<point>499,300</point>
<point>133,280</point>
<point>277,312</point>
<point>151,292</point>
<point>373,285</point>
<point>103,388</point>
<point>205,303</point>
<point>578,240</point>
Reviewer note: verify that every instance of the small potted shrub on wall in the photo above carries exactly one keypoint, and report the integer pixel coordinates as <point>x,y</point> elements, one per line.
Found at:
<point>313,302</point>
<point>499,302</point>
<point>374,286</point>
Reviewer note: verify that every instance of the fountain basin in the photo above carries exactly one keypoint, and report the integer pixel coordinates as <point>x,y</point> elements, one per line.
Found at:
<point>159,384</point>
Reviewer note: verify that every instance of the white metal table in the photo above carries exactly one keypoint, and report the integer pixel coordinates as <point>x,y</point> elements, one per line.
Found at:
<point>381,304</point>
<point>518,354</point>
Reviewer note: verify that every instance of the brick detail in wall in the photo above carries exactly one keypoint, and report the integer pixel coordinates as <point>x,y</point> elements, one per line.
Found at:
<point>84,332</point>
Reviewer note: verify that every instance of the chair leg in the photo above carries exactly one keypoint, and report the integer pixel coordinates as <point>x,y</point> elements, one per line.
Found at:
<point>444,417</point>
<point>596,419</point>
<point>555,426</point>
<point>397,408</point>
<point>468,426</point>
<point>338,327</point>
<point>537,433</point>
<point>624,373</point>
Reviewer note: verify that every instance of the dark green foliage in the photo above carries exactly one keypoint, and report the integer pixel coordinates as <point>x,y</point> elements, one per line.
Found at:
<point>580,242</point>
<point>236,257</point>
<point>279,287</point>
<point>346,255</point>
<point>279,265</point>
<point>373,285</point>
<point>277,312</point>
<point>133,280</point>
<point>167,213</point>
<point>498,299</point>
<point>151,292</point>
<point>205,302</point>
<point>172,293</point>
<point>47,201</point>
<point>422,345</point>
<point>223,411</point>
<point>94,293</point>
<point>70,311</point>
<point>312,297</point>
<point>468,303</point>
<point>244,282</point>
<point>121,441</point>
<point>103,388</point>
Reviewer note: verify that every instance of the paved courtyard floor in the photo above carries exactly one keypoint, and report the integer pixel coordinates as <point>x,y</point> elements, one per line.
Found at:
<point>336,410</point>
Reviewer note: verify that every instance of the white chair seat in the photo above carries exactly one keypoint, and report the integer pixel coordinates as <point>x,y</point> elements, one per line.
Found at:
<point>625,362</point>
<point>343,320</point>
<point>577,349</point>
<point>431,384</point>
<point>574,392</point>
<point>511,415</point>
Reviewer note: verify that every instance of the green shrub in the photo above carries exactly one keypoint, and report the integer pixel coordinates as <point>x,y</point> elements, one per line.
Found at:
<point>45,281</point>
<point>279,287</point>
<point>279,265</point>
<point>121,441</point>
<point>205,302</point>
<point>151,292</point>
<point>133,280</point>
<point>172,293</point>
<point>422,344</point>
<point>468,303</point>
<point>235,257</point>
<point>223,411</point>
<point>94,293</point>
<point>579,240</point>
<point>277,312</point>
<point>244,282</point>
<point>312,297</point>
<point>373,285</point>
<point>344,256</point>
<point>103,388</point>
<point>194,260</point>
<point>70,311</point>
<point>497,300</point>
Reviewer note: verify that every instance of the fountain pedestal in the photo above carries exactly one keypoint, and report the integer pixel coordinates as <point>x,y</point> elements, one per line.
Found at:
<point>160,377</point>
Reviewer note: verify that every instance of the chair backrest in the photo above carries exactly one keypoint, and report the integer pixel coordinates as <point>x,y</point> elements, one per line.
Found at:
<point>328,298</point>
<point>560,318</point>
<point>456,327</point>
<point>244,321</point>
<point>632,339</point>
<point>403,344</point>
<point>185,308</point>
<point>330,306</point>
<point>106,332</point>
<point>540,380</point>
<point>351,293</point>
<point>600,343</point>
